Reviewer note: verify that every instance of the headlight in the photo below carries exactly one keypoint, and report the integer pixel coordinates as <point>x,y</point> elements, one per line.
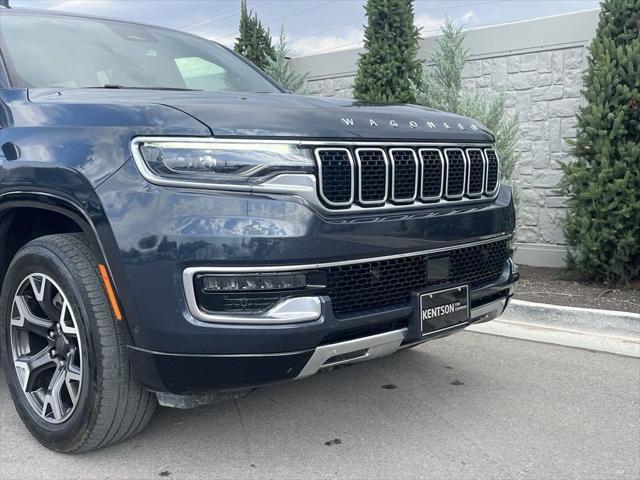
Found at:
<point>218,161</point>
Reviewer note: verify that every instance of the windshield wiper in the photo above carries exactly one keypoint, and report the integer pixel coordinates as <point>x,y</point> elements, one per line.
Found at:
<point>123,87</point>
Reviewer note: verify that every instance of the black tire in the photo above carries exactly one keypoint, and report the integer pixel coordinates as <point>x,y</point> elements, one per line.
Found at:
<point>111,405</point>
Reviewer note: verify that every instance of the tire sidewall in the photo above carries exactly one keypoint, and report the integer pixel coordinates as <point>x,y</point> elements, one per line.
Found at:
<point>71,434</point>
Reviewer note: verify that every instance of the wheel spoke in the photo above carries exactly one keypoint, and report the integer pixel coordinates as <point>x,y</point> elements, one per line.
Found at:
<point>53,398</point>
<point>30,367</point>
<point>27,320</point>
<point>73,377</point>
<point>38,285</point>
<point>45,293</point>
<point>73,374</point>
<point>66,321</point>
<point>72,381</point>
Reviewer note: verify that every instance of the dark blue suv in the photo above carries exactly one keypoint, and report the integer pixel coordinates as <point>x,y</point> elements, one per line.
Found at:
<point>177,228</point>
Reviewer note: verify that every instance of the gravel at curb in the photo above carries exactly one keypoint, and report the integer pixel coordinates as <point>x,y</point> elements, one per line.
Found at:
<point>582,319</point>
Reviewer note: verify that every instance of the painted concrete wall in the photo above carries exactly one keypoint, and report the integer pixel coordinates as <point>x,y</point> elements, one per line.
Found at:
<point>539,64</point>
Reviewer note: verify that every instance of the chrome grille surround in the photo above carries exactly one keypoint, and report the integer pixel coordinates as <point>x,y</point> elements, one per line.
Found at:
<point>394,167</point>
<point>445,174</point>
<point>422,152</point>
<point>493,165</point>
<point>320,162</point>
<point>368,163</point>
<point>474,193</point>
<point>451,158</point>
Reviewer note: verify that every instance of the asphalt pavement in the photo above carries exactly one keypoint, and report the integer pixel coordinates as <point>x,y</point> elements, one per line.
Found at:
<point>468,406</point>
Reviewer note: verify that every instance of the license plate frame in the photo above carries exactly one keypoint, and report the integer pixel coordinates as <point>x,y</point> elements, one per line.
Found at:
<point>443,309</point>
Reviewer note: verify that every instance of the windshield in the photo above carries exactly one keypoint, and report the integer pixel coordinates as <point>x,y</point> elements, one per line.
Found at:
<point>50,51</point>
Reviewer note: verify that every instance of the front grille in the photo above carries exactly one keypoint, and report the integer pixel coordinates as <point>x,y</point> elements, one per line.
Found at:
<point>400,176</point>
<point>372,170</point>
<point>432,174</point>
<point>456,173</point>
<point>366,286</point>
<point>404,175</point>
<point>475,177</point>
<point>493,171</point>
<point>336,175</point>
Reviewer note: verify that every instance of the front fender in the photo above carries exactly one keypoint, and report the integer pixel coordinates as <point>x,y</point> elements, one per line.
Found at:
<point>55,155</point>
<point>91,221</point>
<point>90,140</point>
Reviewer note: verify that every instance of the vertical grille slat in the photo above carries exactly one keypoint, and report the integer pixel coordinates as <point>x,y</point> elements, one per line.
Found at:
<point>456,173</point>
<point>493,171</point>
<point>476,172</point>
<point>432,182</point>
<point>335,167</point>
<point>404,175</point>
<point>367,176</point>
<point>373,175</point>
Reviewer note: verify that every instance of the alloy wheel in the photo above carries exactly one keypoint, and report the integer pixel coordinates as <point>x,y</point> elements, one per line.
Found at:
<point>46,348</point>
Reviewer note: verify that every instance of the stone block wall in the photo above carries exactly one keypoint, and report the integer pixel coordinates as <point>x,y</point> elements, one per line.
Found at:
<point>332,87</point>
<point>543,88</point>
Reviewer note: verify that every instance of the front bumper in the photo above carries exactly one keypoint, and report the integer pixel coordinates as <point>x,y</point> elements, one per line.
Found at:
<point>182,374</point>
<point>375,346</point>
<point>158,233</point>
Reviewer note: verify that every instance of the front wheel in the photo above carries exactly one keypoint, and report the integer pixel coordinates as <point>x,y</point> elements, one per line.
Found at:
<point>67,366</point>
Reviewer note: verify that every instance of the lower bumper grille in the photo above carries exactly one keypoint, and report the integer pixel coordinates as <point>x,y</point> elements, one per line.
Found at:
<point>389,283</point>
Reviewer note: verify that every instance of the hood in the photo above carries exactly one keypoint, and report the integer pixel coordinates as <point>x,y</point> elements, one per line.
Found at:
<point>291,116</point>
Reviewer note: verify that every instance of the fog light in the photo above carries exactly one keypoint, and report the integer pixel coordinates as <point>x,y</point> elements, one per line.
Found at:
<point>253,283</point>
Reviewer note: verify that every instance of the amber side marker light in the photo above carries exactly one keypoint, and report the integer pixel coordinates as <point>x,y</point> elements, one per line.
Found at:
<point>110,293</point>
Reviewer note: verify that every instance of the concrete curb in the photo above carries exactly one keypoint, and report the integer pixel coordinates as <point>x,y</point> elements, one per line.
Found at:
<point>621,345</point>
<point>605,322</point>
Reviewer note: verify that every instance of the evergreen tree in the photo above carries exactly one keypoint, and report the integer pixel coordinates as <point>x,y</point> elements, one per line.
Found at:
<point>388,70</point>
<point>280,70</point>
<point>441,88</point>
<point>603,183</point>
<point>254,42</point>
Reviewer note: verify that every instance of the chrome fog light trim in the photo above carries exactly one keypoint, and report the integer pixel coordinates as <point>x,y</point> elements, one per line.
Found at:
<point>290,310</point>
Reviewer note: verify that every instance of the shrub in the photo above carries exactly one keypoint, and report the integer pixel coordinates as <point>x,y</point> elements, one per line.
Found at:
<point>441,88</point>
<point>280,70</point>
